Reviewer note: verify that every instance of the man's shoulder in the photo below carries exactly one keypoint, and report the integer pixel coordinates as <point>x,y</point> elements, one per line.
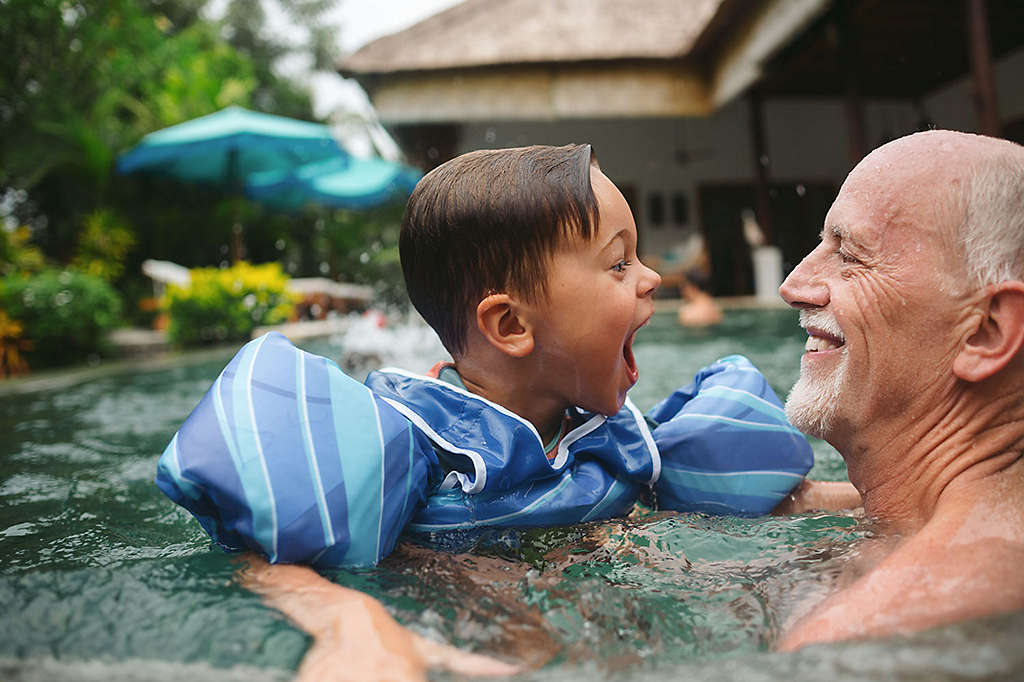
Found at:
<point>930,579</point>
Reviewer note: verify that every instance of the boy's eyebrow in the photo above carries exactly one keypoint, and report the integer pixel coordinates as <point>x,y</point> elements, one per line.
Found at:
<point>621,234</point>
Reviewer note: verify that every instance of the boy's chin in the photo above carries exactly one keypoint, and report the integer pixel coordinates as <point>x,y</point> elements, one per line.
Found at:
<point>609,408</point>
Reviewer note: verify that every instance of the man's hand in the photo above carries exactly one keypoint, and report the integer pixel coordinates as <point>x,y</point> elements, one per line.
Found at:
<point>819,495</point>
<point>355,638</point>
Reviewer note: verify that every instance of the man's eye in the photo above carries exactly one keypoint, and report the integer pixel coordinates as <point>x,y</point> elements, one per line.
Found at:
<point>847,258</point>
<point>621,265</point>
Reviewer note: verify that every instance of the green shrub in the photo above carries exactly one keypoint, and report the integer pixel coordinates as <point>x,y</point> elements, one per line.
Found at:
<point>103,244</point>
<point>226,305</point>
<point>65,314</point>
<point>17,255</point>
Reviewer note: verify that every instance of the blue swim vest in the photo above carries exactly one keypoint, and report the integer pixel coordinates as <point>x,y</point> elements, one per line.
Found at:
<point>288,456</point>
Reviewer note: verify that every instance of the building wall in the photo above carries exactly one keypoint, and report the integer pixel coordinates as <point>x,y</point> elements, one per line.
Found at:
<point>805,139</point>
<point>805,143</point>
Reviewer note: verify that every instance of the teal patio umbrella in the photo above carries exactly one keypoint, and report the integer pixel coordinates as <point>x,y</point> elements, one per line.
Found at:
<point>341,182</point>
<point>226,148</point>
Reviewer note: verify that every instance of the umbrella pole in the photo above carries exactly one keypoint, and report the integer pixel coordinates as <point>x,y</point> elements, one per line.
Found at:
<point>237,250</point>
<point>234,183</point>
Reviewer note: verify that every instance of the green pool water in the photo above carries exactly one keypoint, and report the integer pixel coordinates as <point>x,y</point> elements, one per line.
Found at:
<point>103,578</point>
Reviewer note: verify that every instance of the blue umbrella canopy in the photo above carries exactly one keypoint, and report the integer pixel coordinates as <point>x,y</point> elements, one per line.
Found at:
<point>225,148</point>
<point>341,182</point>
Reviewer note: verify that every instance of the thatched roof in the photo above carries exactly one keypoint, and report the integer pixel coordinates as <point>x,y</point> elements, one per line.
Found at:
<point>480,33</point>
<point>484,60</point>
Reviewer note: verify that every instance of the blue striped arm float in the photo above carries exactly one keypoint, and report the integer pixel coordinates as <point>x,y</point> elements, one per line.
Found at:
<point>726,446</point>
<point>287,456</point>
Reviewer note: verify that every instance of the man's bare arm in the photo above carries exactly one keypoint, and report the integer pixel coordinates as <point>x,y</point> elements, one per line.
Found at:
<point>820,495</point>
<point>925,583</point>
<point>355,638</point>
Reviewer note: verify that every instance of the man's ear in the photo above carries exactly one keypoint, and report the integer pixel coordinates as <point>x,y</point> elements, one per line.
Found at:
<point>999,334</point>
<point>499,319</point>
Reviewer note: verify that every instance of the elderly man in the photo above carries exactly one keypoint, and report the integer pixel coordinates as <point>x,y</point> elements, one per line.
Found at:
<point>914,308</point>
<point>913,304</point>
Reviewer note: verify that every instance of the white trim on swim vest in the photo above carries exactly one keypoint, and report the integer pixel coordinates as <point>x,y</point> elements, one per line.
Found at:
<point>463,392</point>
<point>573,436</point>
<point>645,431</point>
<point>479,468</point>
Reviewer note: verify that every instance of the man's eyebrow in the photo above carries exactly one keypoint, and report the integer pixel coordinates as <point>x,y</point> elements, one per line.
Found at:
<point>832,230</point>
<point>842,233</point>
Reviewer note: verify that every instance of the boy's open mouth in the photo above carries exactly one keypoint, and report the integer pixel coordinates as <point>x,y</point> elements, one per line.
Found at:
<point>627,353</point>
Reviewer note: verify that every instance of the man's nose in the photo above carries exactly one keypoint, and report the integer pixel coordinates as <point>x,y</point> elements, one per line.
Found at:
<point>805,287</point>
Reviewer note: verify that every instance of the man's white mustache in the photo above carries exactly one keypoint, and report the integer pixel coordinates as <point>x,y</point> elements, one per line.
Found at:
<point>822,321</point>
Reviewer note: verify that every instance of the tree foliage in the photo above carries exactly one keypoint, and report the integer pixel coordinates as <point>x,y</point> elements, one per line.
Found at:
<point>82,81</point>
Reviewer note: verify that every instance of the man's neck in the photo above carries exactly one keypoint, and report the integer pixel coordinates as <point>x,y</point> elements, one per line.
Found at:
<point>904,474</point>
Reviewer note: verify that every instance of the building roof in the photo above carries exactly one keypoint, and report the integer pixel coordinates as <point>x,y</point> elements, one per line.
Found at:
<point>904,48</point>
<point>482,33</point>
<point>563,59</point>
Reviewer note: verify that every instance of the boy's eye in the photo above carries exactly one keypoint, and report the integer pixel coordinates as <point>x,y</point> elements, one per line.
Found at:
<point>621,265</point>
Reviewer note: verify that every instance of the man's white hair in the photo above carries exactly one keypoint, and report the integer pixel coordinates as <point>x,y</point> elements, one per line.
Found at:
<point>992,232</point>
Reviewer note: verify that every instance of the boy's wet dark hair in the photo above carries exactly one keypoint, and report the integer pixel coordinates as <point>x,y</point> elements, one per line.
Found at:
<point>489,222</point>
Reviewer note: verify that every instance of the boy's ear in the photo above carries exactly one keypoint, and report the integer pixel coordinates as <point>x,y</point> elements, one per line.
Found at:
<point>500,321</point>
<point>999,334</point>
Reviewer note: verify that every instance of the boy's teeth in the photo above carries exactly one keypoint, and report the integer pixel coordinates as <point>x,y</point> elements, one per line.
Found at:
<point>817,343</point>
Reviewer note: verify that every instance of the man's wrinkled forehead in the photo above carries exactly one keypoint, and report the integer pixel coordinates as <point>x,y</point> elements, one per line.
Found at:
<point>910,183</point>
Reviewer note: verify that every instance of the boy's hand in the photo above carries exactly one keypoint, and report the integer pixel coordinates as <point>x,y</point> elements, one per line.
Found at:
<point>819,495</point>
<point>355,638</point>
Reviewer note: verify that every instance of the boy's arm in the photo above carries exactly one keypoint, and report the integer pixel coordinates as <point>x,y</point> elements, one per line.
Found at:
<point>725,444</point>
<point>821,496</point>
<point>287,456</point>
<point>354,637</point>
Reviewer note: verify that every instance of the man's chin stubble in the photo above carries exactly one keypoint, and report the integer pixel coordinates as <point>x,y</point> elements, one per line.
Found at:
<point>812,403</point>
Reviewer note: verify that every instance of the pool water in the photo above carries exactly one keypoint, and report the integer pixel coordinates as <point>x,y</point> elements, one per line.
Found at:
<point>101,577</point>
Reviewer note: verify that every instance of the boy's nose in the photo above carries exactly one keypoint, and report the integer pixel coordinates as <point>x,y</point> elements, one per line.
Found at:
<point>649,281</point>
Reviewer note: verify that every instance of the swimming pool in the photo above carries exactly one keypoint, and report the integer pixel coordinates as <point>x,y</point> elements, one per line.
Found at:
<point>101,577</point>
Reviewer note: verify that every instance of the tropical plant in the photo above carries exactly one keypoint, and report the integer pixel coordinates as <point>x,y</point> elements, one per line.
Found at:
<point>103,245</point>
<point>12,347</point>
<point>17,255</point>
<point>362,247</point>
<point>227,304</point>
<point>65,314</point>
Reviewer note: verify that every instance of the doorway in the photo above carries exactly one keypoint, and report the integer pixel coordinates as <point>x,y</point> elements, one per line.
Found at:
<point>798,213</point>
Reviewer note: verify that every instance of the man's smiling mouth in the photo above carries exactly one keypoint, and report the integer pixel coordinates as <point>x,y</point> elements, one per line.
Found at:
<point>817,342</point>
<point>823,332</point>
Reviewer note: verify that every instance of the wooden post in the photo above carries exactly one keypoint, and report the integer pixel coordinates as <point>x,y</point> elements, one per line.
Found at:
<point>856,135</point>
<point>762,164</point>
<point>983,81</point>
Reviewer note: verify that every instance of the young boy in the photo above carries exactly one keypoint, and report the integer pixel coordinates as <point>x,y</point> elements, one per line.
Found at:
<point>524,262</point>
